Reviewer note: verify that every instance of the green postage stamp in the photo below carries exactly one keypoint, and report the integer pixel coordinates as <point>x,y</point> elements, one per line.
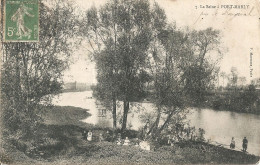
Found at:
<point>21,20</point>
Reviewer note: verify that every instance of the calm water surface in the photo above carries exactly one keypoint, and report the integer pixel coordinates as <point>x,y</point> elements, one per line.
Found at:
<point>220,126</point>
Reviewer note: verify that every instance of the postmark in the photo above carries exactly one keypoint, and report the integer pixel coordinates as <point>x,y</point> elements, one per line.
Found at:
<point>21,20</point>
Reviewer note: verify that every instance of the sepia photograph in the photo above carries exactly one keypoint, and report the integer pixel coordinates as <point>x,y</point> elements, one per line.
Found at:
<point>129,82</point>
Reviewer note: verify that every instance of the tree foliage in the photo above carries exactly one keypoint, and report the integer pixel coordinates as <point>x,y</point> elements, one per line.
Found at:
<point>119,35</point>
<point>138,53</point>
<point>181,72</point>
<point>32,71</point>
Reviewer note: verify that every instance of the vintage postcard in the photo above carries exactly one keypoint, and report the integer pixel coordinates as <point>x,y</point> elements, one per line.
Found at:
<point>130,82</point>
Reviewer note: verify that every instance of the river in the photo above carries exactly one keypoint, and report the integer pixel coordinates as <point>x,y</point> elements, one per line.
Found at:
<point>220,126</point>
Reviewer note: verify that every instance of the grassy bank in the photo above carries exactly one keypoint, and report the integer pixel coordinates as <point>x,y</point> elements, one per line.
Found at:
<point>59,140</point>
<point>65,115</point>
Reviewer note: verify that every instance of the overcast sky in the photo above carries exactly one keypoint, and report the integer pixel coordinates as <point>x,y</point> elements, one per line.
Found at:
<point>240,33</point>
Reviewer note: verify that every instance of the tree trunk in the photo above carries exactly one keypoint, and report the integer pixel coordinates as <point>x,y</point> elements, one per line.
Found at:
<point>114,112</point>
<point>154,127</point>
<point>165,123</point>
<point>17,81</point>
<point>27,86</point>
<point>114,98</point>
<point>126,108</point>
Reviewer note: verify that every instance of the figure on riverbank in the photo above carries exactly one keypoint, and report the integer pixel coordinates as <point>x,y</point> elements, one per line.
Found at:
<point>89,138</point>
<point>145,129</point>
<point>169,139</point>
<point>145,145</point>
<point>126,142</point>
<point>101,137</point>
<point>136,142</point>
<point>245,142</point>
<point>108,137</point>
<point>201,134</point>
<point>175,139</point>
<point>119,139</point>
<point>84,134</point>
<point>233,143</point>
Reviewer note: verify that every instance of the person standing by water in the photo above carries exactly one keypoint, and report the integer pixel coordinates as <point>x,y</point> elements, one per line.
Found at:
<point>89,138</point>
<point>233,143</point>
<point>245,142</point>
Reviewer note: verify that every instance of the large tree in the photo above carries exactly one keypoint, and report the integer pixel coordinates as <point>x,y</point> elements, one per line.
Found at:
<point>106,91</point>
<point>166,62</point>
<point>132,44</point>
<point>206,52</point>
<point>181,72</point>
<point>121,32</point>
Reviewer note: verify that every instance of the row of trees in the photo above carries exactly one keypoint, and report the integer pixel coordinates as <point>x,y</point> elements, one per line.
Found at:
<point>138,53</point>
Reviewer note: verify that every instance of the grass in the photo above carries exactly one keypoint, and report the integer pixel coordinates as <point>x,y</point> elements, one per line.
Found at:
<point>58,140</point>
<point>65,115</point>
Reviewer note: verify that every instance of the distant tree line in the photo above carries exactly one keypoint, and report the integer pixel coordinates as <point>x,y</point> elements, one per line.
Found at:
<point>234,94</point>
<point>245,100</point>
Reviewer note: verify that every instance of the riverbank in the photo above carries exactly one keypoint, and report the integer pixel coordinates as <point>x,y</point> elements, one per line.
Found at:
<point>59,140</point>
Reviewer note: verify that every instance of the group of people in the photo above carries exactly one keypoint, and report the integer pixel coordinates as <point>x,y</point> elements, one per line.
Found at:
<point>116,138</point>
<point>244,144</point>
<point>88,136</point>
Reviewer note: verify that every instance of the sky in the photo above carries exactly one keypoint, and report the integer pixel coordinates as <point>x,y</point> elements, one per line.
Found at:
<point>240,33</point>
